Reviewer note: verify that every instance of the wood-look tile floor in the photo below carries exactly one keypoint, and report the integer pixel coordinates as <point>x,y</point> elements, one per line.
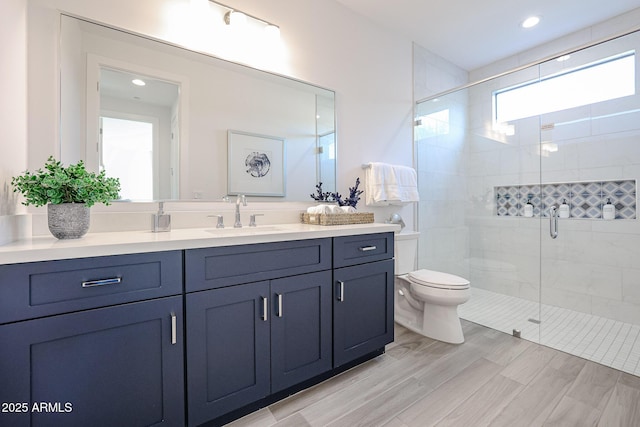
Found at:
<point>492,379</point>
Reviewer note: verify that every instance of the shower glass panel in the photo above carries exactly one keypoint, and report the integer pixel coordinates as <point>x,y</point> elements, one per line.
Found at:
<point>471,214</point>
<point>493,194</point>
<point>590,155</point>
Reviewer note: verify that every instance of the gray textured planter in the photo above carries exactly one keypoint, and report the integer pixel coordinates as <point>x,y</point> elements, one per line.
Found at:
<point>68,220</point>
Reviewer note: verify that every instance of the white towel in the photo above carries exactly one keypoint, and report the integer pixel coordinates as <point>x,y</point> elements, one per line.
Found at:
<point>387,184</point>
<point>328,209</point>
<point>320,209</point>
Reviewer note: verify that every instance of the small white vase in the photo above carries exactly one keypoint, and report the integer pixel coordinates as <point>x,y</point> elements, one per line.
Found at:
<point>68,220</point>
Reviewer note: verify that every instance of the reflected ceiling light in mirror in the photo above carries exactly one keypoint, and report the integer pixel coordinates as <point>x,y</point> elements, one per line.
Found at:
<point>530,22</point>
<point>138,82</point>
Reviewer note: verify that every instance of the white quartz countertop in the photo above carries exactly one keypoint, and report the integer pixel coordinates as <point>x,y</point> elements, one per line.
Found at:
<point>115,243</point>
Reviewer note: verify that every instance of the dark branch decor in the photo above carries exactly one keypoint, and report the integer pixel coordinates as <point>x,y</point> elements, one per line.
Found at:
<point>352,200</point>
<point>320,195</point>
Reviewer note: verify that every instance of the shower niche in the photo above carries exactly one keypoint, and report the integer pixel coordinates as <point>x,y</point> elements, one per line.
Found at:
<point>585,200</point>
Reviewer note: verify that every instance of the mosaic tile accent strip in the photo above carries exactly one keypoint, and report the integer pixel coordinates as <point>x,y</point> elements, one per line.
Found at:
<point>585,199</point>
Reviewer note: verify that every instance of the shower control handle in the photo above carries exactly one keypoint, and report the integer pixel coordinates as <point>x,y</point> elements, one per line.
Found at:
<point>553,221</point>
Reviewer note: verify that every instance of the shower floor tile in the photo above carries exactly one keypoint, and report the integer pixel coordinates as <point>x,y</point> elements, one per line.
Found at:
<point>605,341</point>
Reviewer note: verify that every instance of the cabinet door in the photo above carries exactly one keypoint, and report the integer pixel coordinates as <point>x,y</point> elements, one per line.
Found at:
<point>227,349</point>
<point>119,365</point>
<point>362,309</point>
<point>300,328</point>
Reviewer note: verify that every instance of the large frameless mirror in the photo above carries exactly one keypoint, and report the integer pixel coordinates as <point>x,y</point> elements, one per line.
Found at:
<point>158,117</point>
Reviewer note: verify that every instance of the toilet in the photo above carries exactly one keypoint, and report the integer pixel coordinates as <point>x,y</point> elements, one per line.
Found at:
<point>426,301</point>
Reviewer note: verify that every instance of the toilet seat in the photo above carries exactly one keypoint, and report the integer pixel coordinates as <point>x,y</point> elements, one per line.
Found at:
<point>437,279</point>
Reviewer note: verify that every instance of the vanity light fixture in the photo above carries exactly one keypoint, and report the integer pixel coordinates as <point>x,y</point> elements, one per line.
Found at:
<point>237,18</point>
<point>531,21</point>
<point>138,82</point>
<point>272,31</point>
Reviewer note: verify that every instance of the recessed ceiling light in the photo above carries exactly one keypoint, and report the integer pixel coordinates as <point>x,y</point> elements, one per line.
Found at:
<point>531,21</point>
<point>138,82</point>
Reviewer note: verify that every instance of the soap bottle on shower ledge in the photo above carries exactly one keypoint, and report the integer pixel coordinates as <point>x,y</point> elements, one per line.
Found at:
<point>608,210</point>
<point>528,208</point>
<point>564,209</point>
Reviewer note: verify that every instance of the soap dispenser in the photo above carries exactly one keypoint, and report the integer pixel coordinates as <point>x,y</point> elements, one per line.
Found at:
<point>608,210</point>
<point>161,220</point>
<point>564,209</point>
<point>528,208</point>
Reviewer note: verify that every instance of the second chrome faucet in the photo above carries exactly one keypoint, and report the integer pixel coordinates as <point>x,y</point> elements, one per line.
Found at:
<point>240,199</point>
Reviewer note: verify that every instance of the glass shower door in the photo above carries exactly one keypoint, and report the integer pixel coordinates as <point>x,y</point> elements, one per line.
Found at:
<point>475,177</point>
<point>589,115</point>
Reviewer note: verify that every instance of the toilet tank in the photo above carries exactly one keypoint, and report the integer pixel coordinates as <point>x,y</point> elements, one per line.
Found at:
<point>406,250</point>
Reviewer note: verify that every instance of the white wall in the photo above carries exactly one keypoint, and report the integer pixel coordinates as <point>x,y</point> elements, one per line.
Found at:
<point>13,108</point>
<point>324,43</point>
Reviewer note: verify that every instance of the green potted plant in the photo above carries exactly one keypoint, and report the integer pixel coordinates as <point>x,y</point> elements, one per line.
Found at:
<point>68,192</point>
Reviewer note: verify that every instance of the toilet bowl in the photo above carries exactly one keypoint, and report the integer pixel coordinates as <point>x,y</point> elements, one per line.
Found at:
<point>427,301</point>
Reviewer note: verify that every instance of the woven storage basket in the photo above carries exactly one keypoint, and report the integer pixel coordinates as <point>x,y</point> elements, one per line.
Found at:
<point>337,219</point>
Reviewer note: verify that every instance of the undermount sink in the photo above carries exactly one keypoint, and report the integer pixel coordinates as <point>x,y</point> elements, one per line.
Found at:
<point>230,231</point>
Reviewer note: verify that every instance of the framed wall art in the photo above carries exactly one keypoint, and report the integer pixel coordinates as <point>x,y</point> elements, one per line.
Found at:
<point>256,164</point>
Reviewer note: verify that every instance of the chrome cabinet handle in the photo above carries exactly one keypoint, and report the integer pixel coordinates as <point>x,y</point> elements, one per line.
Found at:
<point>553,221</point>
<point>174,328</point>
<point>265,308</point>
<point>101,282</point>
<point>341,290</point>
<point>279,305</point>
<point>367,248</point>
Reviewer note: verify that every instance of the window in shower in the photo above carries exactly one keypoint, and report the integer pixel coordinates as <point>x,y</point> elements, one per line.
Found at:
<point>610,78</point>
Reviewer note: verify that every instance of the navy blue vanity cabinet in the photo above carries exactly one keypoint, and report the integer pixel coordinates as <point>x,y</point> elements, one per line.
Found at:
<point>301,322</point>
<point>362,295</point>
<point>90,360</point>
<point>228,349</point>
<point>248,341</point>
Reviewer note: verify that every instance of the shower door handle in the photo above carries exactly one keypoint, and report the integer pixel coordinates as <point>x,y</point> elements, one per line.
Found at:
<point>553,221</point>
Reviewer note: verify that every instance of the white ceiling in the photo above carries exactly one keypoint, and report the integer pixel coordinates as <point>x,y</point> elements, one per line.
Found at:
<point>473,33</point>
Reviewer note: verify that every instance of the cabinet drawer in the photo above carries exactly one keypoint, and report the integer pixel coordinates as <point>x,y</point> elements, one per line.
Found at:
<point>210,268</point>
<point>39,289</point>
<point>360,249</point>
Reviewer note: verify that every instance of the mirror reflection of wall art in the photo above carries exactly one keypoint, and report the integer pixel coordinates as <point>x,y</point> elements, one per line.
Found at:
<point>255,164</point>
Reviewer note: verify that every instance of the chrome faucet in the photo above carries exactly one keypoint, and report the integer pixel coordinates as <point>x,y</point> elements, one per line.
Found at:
<point>241,199</point>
